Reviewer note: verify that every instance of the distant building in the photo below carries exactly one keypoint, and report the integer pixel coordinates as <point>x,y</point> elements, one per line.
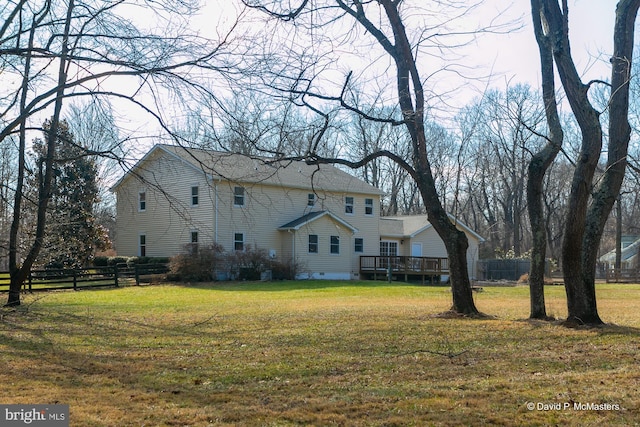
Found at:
<point>629,253</point>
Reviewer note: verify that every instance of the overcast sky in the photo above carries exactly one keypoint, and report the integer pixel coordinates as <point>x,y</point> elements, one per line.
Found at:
<point>513,56</point>
<point>590,29</point>
<point>510,57</point>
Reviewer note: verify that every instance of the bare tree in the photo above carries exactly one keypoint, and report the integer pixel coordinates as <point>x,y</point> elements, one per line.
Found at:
<point>502,129</point>
<point>589,202</point>
<point>538,166</point>
<point>388,25</point>
<point>55,51</point>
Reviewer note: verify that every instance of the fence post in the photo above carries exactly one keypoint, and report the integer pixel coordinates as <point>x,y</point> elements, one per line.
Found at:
<point>75,281</point>
<point>115,274</point>
<point>136,272</point>
<point>30,273</point>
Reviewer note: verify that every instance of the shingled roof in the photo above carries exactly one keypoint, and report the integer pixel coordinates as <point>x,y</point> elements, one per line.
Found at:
<point>411,225</point>
<point>245,169</point>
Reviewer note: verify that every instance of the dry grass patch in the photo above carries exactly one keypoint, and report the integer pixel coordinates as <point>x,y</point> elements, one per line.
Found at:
<point>317,353</point>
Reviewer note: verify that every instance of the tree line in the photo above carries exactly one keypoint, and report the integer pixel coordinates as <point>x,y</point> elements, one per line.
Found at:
<point>358,84</point>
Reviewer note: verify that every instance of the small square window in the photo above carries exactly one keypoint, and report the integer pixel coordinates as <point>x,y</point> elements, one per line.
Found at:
<point>358,245</point>
<point>238,196</point>
<point>313,243</point>
<point>335,245</point>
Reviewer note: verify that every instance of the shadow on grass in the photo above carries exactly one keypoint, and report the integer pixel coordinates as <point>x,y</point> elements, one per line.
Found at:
<point>604,329</point>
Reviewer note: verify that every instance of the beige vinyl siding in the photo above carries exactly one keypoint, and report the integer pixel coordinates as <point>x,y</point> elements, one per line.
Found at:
<point>324,264</point>
<point>268,207</point>
<point>433,246</point>
<point>169,216</point>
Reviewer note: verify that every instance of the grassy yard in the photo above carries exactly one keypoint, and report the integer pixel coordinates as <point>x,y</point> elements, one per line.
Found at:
<point>319,353</point>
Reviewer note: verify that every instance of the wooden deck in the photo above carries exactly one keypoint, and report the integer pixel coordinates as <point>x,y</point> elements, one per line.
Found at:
<point>403,267</point>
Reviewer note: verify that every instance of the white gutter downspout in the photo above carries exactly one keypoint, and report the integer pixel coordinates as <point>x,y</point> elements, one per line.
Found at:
<point>293,246</point>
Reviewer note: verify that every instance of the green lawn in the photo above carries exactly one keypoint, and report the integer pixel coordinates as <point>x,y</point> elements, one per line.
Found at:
<point>318,353</point>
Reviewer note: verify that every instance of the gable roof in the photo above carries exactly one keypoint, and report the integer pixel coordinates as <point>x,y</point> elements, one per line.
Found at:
<point>410,226</point>
<point>298,223</point>
<point>261,170</point>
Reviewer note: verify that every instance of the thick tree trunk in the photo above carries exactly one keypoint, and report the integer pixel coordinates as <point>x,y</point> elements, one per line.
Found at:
<point>408,83</point>
<point>455,242</point>
<point>457,246</point>
<point>538,167</point>
<point>590,209</point>
<point>538,251</point>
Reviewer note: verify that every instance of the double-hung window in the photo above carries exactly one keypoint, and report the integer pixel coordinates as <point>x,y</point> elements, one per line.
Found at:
<point>334,247</point>
<point>238,196</point>
<point>238,241</point>
<point>311,200</point>
<point>142,201</point>
<point>368,206</point>
<point>193,246</point>
<point>313,243</point>
<point>195,195</point>
<point>348,205</point>
<point>358,245</point>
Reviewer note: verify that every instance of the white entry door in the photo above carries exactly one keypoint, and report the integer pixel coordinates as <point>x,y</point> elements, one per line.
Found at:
<point>416,249</point>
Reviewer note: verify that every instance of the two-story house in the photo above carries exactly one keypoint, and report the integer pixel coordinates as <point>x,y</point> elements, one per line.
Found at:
<point>316,215</point>
<point>319,215</point>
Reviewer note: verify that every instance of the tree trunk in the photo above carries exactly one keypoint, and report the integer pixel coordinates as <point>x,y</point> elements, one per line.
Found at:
<point>408,81</point>
<point>17,273</point>
<point>590,209</point>
<point>538,167</point>
<point>618,261</point>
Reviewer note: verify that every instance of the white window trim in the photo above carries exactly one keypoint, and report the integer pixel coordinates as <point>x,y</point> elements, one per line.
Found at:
<point>317,244</point>
<point>352,204</point>
<point>191,195</point>
<point>244,245</point>
<point>244,197</point>
<point>367,206</point>
<point>389,241</point>
<point>140,193</point>
<point>331,246</point>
